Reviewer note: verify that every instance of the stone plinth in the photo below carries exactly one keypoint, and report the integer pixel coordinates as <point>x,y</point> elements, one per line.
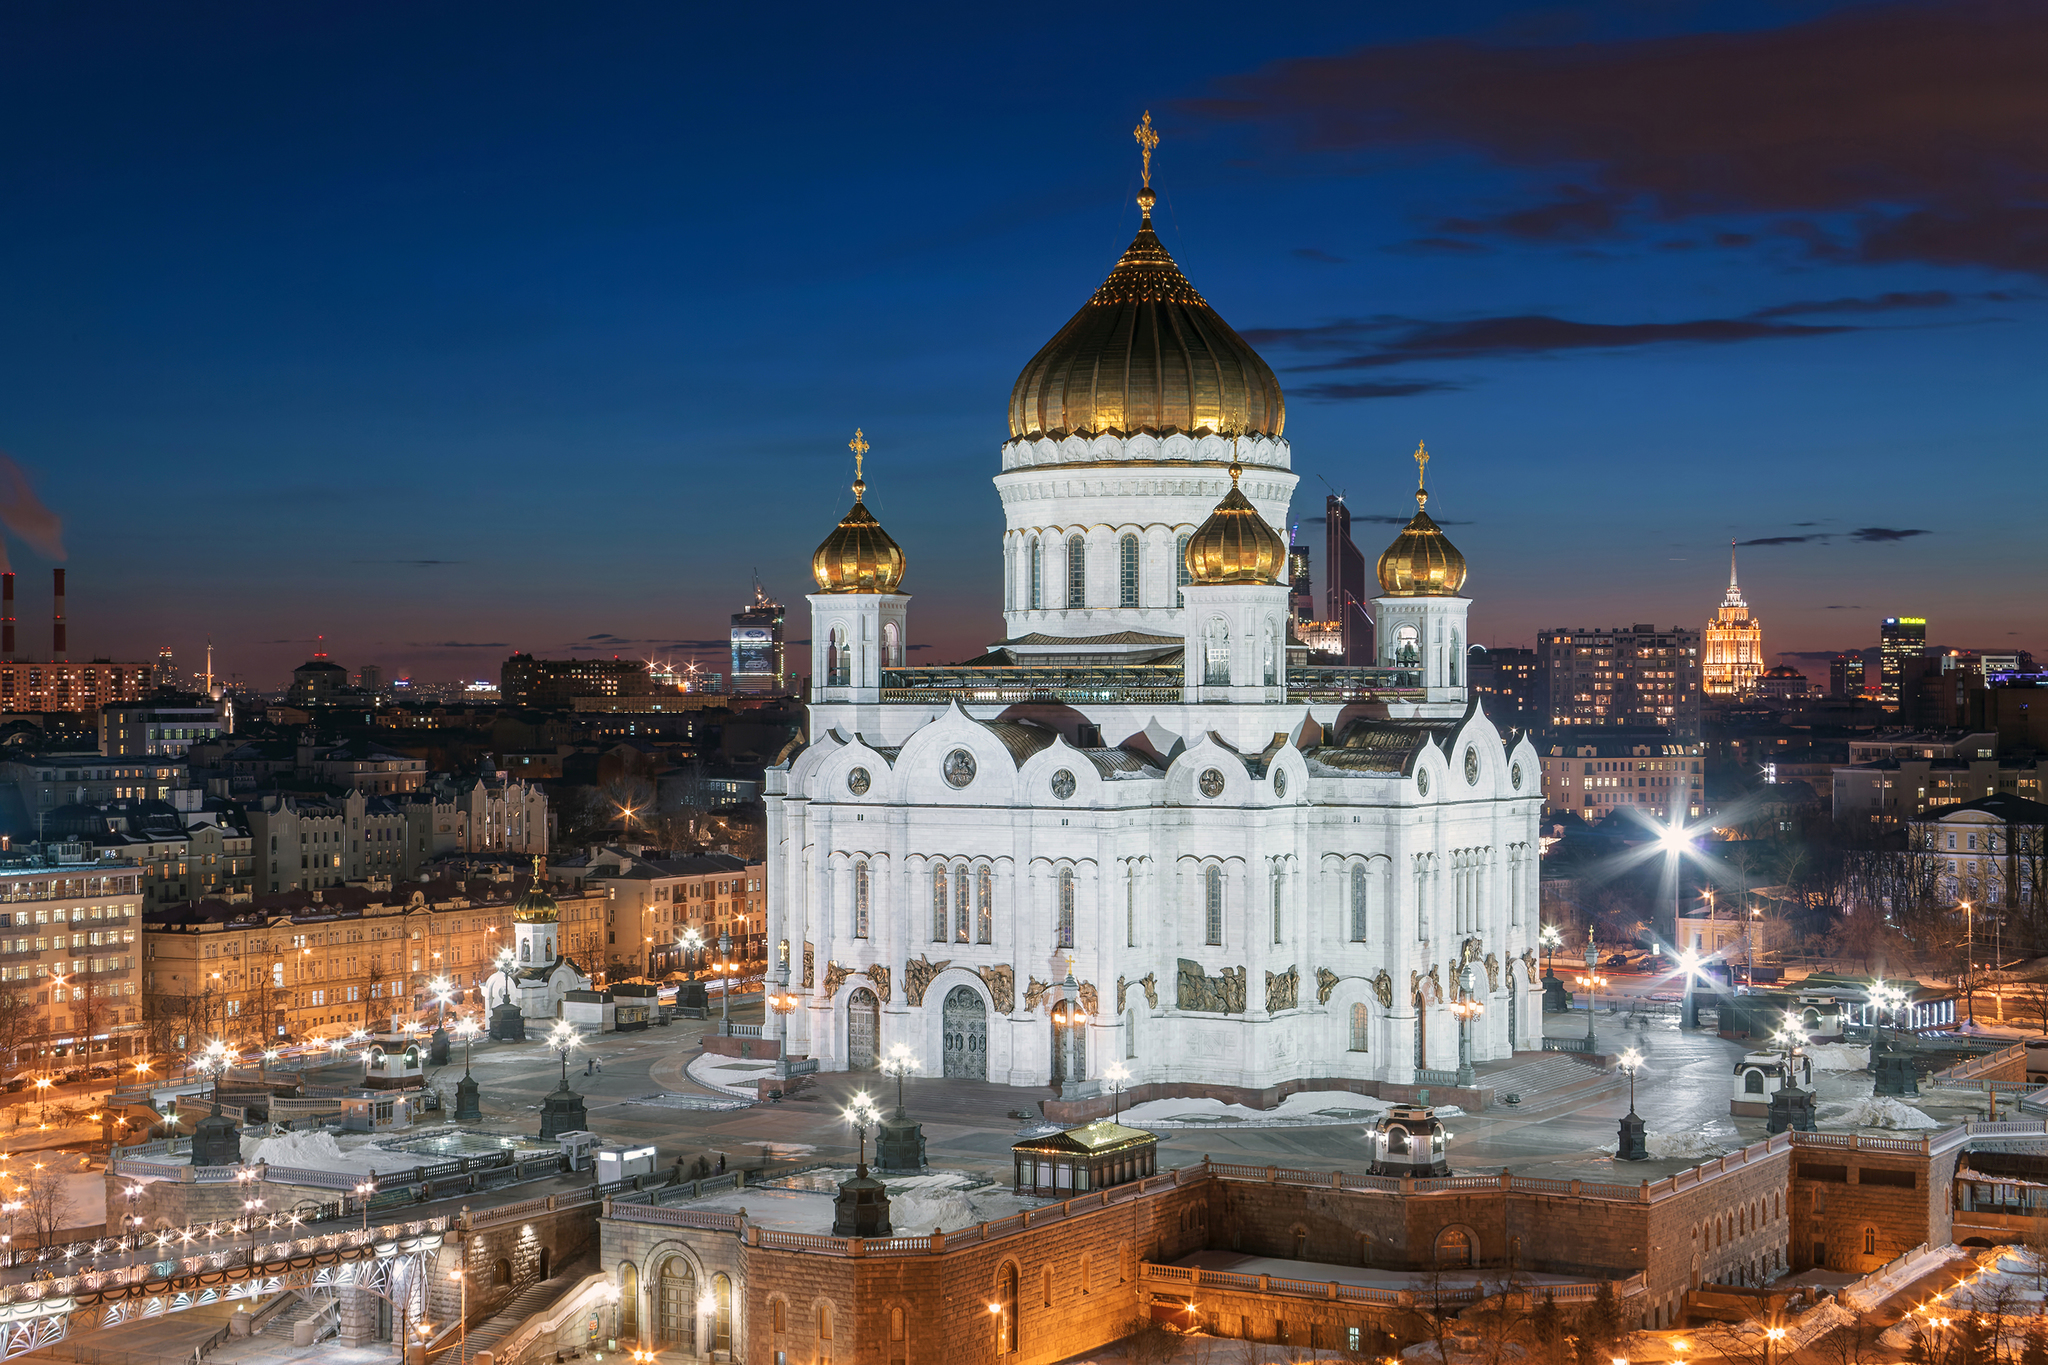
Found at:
<point>467,1108</point>
<point>862,1206</point>
<point>508,1025</point>
<point>1631,1146</point>
<point>1791,1108</point>
<point>1556,999</point>
<point>900,1145</point>
<point>562,1112</point>
<point>216,1140</point>
<point>1895,1074</point>
<point>437,1048</point>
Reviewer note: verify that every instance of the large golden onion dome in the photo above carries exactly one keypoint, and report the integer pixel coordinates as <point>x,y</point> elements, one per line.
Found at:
<point>858,556</point>
<point>535,905</point>
<point>1422,562</point>
<point>1146,354</point>
<point>1235,545</point>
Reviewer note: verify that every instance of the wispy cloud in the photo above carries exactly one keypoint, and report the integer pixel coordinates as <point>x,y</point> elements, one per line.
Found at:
<point>1406,388</point>
<point>459,644</point>
<point>1866,535</point>
<point>412,563</point>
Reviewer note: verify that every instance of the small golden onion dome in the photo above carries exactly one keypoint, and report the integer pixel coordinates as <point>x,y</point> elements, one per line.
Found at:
<point>1235,545</point>
<point>1421,562</point>
<point>1146,354</point>
<point>858,556</point>
<point>535,905</point>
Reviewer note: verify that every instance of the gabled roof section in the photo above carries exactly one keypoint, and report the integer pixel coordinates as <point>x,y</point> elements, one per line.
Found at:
<point>2016,810</point>
<point>1023,739</point>
<point>1386,747</point>
<point>1122,765</point>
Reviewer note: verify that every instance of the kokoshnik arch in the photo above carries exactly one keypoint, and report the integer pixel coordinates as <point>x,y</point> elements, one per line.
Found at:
<point>1239,869</point>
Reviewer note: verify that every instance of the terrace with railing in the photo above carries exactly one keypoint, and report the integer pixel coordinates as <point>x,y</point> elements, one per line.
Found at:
<point>1137,684</point>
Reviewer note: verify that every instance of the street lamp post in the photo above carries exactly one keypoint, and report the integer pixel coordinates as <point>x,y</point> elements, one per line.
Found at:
<point>1631,1146</point>
<point>1970,958</point>
<point>467,1108</point>
<point>462,1329</point>
<point>364,1189</point>
<point>1466,1009</point>
<point>725,987</point>
<point>1592,982</point>
<point>783,1004</point>
<point>1116,1077</point>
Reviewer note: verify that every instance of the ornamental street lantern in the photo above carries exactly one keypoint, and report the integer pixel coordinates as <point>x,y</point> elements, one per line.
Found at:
<point>1409,1140</point>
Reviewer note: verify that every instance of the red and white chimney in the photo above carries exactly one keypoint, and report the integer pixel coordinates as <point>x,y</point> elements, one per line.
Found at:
<point>7,616</point>
<point>58,645</point>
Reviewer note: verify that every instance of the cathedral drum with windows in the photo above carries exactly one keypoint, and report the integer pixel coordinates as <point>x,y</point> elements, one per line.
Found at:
<point>1134,811</point>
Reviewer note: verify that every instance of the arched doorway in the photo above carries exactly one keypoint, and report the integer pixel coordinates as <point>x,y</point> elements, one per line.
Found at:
<point>863,1029</point>
<point>675,1308</point>
<point>965,1021</point>
<point>629,1301</point>
<point>1453,1249</point>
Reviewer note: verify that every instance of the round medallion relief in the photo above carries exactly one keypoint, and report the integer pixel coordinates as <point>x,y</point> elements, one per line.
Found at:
<point>1515,776</point>
<point>1422,781</point>
<point>1211,783</point>
<point>1063,784</point>
<point>1280,786</point>
<point>857,781</point>
<point>959,768</point>
<point>1471,765</point>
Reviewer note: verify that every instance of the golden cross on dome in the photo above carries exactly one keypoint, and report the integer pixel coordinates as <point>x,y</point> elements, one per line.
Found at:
<point>859,446</point>
<point>1148,138</point>
<point>1421,474</point>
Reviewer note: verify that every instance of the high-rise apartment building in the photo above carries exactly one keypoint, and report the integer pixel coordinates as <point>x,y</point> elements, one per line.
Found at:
<point>1635,677</point>
<point>757,658</point>
<point>56,684</point>
<point>1347,594</point>
<point>1508,683</point>
<point>1900,637</point>
<point>1301,593</point>
<point>1732,650</point>
<point>526,681</point>
<point>1845,675</point>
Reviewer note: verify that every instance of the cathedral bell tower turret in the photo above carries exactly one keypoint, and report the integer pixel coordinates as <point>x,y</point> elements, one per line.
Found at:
<point>1236,606</point>
<point>857,616</point>
<point>1419,615</point>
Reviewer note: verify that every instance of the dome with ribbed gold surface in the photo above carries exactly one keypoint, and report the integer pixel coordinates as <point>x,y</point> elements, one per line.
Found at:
<point>1235,545</point>
<point>859,555</point>
<point>1421,562</point>
<point>1146,354</point>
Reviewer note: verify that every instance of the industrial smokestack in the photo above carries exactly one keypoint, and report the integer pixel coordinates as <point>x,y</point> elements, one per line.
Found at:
<point>7,616</point>
<point>58,648</point>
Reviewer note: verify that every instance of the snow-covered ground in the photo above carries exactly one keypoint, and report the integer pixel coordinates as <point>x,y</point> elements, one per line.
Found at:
<point>1838,1056</point>
<point>733,1075</point>
<point>918,1204</point>
<point>2005,1280</point>
<point>352,1154</point>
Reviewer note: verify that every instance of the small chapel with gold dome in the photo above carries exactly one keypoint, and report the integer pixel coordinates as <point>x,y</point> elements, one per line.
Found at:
<point>1141,841</point>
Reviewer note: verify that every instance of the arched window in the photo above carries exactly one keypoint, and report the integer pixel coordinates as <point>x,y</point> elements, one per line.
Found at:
<point>1407,654</point>
<point>675,1309</point>
<point>526,950</point>
<point>1269,657</point>
<point>1279,901</point>
<point>1087,1271</point>
<point>940,905</point>
<point>824,1322</point>
<point>1131,908</point>
<point>959,903</point>
<point>629,1300</point>
<point>1360,903</point>
<point>721,1312</point>
<point>1870,1241</point>
<point>1216,653</point>
<point>1037,572</point>
<point>1007,1335</point>
<point>1077,572</point>
<point>838,659</point>
<point>1066,908</point>
<point>1454,658</point>
<point>984,906</point>
<point>892,645</point>
<point>1127,572</point>
<point>1453,1248</point>
<point>860,899</point>
<point>1212,904</point>
<point>1361,1028</point>
<point>1181,576</point>
<point>1753,1083</point>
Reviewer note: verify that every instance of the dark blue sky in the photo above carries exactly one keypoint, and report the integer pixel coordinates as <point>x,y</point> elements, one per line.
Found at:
<point>441,330</point>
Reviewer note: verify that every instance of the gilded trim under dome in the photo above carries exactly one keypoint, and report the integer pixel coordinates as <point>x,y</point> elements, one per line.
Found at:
<point>1235,545</point>
<point>1146,354</point>
<point>1421,562</point>
<point>858,556</point>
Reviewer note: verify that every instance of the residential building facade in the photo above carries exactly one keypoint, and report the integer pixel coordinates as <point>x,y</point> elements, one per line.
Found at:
<point>1590,775</point>
<point>1628,678</point>
<point>70,982</point>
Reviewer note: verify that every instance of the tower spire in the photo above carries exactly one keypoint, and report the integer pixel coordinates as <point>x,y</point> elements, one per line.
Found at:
<point>1731,565</point>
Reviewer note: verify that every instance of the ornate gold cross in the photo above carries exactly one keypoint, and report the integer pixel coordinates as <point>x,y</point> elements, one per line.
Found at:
<point>1421,464</point>
<point>1148,138</point>
<point>859,446</point>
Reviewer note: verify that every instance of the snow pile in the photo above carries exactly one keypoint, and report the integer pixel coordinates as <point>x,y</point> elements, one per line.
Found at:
<point>1688,1146</point>
<point>1306,1107</point>
<point>318,1151</point>
<point>1838,1057</point>
<point>1883,1111</point>
<point>919,1212</point>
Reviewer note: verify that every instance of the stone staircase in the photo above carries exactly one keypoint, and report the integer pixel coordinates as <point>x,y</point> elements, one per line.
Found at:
<point>280,1325</point>
<point>1546,1077</point>
<point>537,1298</point>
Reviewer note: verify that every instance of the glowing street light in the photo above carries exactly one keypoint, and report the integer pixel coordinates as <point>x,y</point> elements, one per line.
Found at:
<point>860,1114</point>
<point>564,1039</point>
<point>1116,1078</point>
<point>899,1062</point>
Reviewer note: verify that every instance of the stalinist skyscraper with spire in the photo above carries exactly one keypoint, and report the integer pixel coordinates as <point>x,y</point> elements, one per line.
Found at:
<point>1734,646</point>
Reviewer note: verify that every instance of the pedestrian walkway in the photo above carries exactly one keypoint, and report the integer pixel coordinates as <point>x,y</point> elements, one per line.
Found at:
<point>538,1298</point>
<point>1536,1078</point>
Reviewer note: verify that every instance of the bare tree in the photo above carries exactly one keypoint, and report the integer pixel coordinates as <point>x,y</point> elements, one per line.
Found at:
<point>1147,1342</point>
<point>45,1197</point>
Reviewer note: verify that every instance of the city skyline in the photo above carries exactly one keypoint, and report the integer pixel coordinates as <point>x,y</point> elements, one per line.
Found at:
<point>440,363</point>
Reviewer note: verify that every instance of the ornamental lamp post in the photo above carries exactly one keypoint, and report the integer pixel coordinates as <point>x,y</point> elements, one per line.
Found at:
<point>1466,1008</point>
<point>1631,1146</point>
<point>1116,1078</point>
<point>725,972</point>
<point>1592,982</point>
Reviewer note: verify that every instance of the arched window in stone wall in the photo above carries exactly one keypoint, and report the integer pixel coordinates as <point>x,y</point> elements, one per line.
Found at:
<point>1361,903</point>
<point>1212,904</point>
<point>1037,573</point>
<point>960,903</point>
<point>629,1300</point>
<point>721,1312</point>
<point>1216,653</point>
<point>1008,1338</point>
<point>1077,572</point>
<point>860,899</point>
<point>1181,577</point>
<point>1361,1027</point>
<point>1066,908</point>
<point>838,659</point>
<point>1127,572</point>
<point>940,904</point>
<point>984,906</point>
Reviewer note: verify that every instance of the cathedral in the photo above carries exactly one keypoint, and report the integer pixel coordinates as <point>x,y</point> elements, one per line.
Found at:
<point>1141,836</point>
